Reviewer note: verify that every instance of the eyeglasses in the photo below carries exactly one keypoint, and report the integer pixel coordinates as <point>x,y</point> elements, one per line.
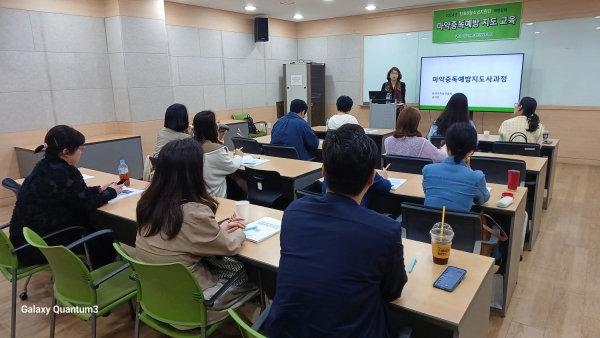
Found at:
<point>516,104</point>
<point>82,148</point>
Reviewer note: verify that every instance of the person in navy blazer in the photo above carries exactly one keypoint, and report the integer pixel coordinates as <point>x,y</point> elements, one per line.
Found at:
<point>341,264</point>
<point>293,131</point>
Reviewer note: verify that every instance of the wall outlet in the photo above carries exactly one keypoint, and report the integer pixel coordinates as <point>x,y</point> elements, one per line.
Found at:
<point>268,125</point>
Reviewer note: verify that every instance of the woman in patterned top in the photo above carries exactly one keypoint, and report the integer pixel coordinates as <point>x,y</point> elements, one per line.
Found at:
<point>526,127</point>
<point>408,141</point>
<point>395,87</point>
<point>54,197</point>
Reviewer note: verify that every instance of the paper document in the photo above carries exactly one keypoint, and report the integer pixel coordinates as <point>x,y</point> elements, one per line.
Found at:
<point>87,177</point>
<point>265,228</point>
<point>249,161</point>
<point>396,182</point>
<point>125,193</point>
<point>370,130</point>
<point>489,189</point>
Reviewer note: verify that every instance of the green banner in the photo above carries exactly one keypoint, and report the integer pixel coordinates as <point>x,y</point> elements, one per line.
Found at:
<point>479,23</point>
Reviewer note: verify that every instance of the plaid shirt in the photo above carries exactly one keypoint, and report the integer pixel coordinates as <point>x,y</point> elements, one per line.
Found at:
<point>519,124</point>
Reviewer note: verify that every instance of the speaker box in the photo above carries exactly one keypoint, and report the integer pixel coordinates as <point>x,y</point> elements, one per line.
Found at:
<point>261,29</point>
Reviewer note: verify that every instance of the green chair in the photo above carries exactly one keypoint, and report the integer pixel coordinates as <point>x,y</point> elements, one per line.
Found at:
<point>75,287</point>
<point>13,270</point>
<point>247,331</point>
<point>169,294</point>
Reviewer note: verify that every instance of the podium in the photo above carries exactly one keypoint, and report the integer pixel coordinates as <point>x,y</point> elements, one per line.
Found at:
<point>383,115</point>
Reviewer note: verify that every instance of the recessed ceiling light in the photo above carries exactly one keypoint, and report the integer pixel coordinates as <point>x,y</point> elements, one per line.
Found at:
<point>424,38</point>
<point>250,8</point>
<point>298,16</point>
<point>408,34</point>
<point>529,24</point>
<point>371,7</point>
<point>598,17</point>
<point>537,33</point>
<point>597,27</point>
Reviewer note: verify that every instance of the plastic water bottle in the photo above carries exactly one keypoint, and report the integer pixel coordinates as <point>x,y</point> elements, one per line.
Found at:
<point>387,97</point>
<point>327,123</point>
<point>124,172</point>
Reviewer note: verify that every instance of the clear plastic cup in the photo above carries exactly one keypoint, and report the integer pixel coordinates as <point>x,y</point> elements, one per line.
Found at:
<point>441,244</point>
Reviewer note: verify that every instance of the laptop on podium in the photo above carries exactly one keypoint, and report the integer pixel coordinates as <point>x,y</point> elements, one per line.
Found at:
<point>378,97</point>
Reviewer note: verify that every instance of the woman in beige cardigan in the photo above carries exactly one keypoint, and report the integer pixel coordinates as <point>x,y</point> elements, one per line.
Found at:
<point>176,223</point>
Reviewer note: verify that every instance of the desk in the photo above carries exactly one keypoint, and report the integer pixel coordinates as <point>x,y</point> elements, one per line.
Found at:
<point>379,135</point>
<point>412,191</point>
<point>102,153</point>
<point>267,140</point>
<point>550,151</point>
<point>295,174</point>
<point>536,166</point>
<point>465,312</point>
<point>236,128</point>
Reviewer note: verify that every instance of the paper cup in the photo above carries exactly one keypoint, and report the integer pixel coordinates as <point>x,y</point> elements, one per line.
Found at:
<point>242,209</point>
<point>486,133</point>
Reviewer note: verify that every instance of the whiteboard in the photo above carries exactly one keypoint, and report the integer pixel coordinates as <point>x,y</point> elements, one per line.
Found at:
<point>561,64</point>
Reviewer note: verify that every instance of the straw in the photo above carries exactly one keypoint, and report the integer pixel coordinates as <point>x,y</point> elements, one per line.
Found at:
<point>443,216</point>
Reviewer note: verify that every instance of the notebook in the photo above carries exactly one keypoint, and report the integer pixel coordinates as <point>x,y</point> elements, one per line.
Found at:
<point>396,182</point>
<point>249,161</point>
<point>126,193</point>
<point>265,228</point>
<point>369,131</point>
<point>87,177</point>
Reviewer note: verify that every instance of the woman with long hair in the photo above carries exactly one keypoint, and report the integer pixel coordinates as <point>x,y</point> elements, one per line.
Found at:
<point>526,126</point>
<point>408,141</point>
<point>176,127</point>
<point>176,223</point>
<point>55,197</point>
<point>395,87</point>
<point>456,111</point>
<point>218,165</point>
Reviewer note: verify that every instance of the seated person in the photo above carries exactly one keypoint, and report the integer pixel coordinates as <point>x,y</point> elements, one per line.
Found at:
<point>381,185</point>
<point>408,141</point>
<point>176,223</point>
<point>452,183</point>
<point>526,123</point>
<point>293,131</point>
<point>340,263</point>
<point>344,106</point>
<point>456,111</point>
<point>217,162</point>
<point>55,197</point>
<point>176,127</point>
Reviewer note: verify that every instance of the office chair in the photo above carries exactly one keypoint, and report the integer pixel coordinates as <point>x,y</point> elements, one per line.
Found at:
<point>417,220</point>
<point>251,146</point>
<point>406,164</point>
<point>264,188</point>
<point>517,148</point>
<point>496,169</point>
<point>281,151</point>
<point>11,185</point>
<point>314,189</point>
<point>437,141</point>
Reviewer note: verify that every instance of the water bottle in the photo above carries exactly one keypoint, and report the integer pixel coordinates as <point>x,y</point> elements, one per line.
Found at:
<point>326,123</point>
<point>123,172</point>
<point>387,97</point>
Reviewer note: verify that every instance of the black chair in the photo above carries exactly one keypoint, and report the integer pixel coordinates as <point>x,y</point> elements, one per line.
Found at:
<point>437,141</point>
<point>281,151</point>
<point>314,189</point>
<point>153,161</point>
<point>517,148</point>
<point>496,169</point>
<point>264,188</point>
<point>417,220</point>
<point>251,146</point>
<point>406,164</point>
<point>11,185</point>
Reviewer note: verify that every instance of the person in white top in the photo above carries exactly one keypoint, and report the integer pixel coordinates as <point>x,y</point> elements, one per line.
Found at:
<point>344,105</point>
<point>526,127</point>
<point>217,162</point>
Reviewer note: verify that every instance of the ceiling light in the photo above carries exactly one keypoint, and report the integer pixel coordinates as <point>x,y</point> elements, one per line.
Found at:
<point>250,8</point>
<point>298,16</point>
<point>424,38</point>
<point>598,17</point>
<point>408,34</point>
<point>529,24</point>
<point>370,7</point>
<point>536,33</point>
<point>597,27</point>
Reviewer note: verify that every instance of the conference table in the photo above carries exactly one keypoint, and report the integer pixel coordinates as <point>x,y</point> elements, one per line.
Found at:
<point>548,150</point>
<point>462,313</point>
<point>536,167</point>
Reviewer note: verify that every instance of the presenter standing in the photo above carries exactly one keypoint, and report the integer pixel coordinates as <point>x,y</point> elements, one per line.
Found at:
<point>395,87</point>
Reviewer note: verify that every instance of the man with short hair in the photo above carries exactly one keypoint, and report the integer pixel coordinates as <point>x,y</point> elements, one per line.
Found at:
<point>340,263</point>
<point>293,131</point>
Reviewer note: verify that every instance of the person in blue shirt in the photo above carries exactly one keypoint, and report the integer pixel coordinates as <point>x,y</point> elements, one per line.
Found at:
<point>293,131</point>
<point>456,111</point>
<point>452,183</point>
<point>341,264</point>
<point>381,185</point>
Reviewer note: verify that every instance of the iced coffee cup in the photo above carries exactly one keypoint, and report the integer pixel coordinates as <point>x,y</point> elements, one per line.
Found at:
<point>441,243</point>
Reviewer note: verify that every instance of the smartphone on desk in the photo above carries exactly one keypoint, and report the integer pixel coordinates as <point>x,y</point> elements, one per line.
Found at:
<point>450,278</point>
<point>122,181</point>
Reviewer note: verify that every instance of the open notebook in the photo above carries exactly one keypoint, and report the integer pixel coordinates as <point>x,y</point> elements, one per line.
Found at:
<point>265,228</point>
<point>249,161</point>
<point>125,193</point>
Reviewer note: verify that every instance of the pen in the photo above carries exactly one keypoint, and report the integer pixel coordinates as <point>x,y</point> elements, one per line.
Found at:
<point>412,265</point>
<point>250,228</point>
